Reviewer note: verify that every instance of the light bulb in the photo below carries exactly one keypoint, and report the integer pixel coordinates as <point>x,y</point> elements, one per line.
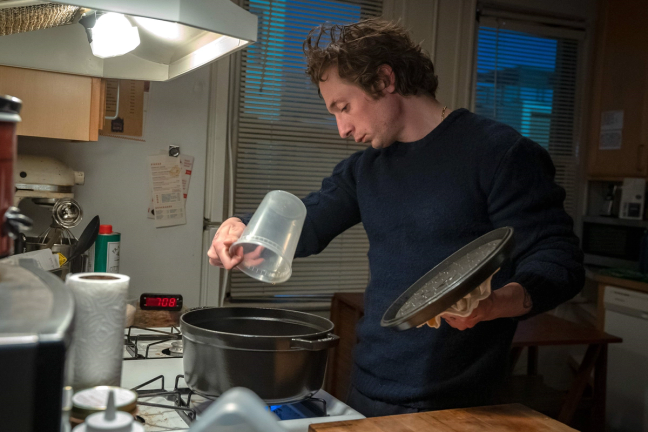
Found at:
<point>113,36</point>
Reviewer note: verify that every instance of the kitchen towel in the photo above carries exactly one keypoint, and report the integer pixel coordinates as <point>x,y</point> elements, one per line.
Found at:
<point>96,352</point>
<point>467,304</point>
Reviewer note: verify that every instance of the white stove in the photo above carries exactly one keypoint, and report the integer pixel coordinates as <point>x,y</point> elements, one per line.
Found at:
<point>162,363</point>
<point>152,343</point>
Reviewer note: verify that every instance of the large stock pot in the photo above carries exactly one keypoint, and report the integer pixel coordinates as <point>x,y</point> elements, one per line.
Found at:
<point>279,354</point>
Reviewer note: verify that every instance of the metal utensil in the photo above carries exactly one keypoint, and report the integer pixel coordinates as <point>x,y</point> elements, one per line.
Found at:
<point>55,233</point>
<point>450,281</point>
<point>66,214</point>
<point>87,238</point>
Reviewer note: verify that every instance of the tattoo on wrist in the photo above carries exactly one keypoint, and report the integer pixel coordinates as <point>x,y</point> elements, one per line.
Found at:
<point>527,302</point>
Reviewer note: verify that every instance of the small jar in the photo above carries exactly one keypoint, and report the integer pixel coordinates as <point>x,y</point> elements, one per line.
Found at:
<point>93,400</point>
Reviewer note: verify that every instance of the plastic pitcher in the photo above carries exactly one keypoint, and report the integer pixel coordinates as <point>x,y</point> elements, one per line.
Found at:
<point>270,238</point>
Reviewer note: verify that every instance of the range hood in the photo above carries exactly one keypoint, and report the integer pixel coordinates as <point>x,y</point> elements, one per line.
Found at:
<point>176,36</point>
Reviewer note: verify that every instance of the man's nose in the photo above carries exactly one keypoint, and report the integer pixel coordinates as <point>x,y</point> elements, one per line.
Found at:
<point>344,128</point>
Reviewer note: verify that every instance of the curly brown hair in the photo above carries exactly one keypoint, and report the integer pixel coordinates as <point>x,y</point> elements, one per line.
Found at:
<point>360,49</point>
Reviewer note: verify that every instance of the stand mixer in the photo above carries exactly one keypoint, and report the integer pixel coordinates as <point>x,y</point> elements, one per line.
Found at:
<point>49,184</point>
<point>45,180</point>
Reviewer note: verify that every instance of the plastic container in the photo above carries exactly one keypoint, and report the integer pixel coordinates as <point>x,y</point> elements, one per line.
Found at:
<point>106,250</point>
<point>238,410</point>
<point>270,239</point>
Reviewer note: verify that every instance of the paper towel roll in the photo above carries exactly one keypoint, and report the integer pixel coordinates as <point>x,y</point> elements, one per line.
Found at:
<point>96,352</point>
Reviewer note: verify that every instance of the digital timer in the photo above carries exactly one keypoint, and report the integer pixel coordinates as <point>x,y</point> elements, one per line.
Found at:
<point>170,302</point>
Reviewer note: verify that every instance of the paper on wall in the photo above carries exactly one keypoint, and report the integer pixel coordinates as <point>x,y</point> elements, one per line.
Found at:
<point>611,134</point>
<point>166,186</point>
<point>186,165</point>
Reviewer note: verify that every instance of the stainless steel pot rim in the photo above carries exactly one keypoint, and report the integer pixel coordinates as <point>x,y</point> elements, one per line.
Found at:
<point>228,347</point>
<point>316,331</point>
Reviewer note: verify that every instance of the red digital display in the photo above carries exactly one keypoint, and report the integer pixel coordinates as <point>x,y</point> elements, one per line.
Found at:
<point>161,302</point>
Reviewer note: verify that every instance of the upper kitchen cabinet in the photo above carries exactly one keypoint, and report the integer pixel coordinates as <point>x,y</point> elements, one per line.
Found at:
<point>618,135</point>
<point>56,105</point>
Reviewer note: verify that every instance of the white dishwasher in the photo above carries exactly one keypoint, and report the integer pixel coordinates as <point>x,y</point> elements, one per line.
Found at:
<point>626,316</point>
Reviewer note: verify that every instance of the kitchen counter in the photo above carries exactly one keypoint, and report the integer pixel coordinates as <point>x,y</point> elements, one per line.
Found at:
<point>618,282</point>
<point>602,281</point>
<point>513,417</point>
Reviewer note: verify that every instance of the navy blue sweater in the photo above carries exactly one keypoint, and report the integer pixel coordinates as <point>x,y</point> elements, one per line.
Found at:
<point>420,202</point>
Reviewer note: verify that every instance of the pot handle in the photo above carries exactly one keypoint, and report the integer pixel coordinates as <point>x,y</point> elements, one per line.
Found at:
<point>329,341</point>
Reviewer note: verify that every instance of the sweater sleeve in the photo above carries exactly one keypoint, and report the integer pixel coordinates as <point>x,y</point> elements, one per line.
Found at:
<point>547,260</point>
<point>330,211</point>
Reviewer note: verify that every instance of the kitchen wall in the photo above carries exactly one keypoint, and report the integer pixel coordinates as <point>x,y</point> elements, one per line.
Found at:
<point>165,260</point>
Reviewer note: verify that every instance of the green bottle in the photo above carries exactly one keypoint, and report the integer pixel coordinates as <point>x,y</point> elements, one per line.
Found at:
<point>106,250</point>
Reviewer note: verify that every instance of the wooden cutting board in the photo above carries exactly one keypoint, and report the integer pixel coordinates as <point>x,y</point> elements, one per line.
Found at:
<point>513,417</point>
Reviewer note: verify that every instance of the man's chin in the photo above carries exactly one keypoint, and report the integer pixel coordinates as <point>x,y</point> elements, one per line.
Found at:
<point>379,144</point>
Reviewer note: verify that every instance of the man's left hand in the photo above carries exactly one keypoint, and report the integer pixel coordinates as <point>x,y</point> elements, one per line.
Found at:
<point>509,301</point>
<point>483,312</point>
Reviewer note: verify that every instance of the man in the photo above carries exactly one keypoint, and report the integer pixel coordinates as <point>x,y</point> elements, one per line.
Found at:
<point>431,181</point>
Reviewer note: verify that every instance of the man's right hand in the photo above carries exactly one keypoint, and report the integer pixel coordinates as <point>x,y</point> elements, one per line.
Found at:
<point>228,233</point>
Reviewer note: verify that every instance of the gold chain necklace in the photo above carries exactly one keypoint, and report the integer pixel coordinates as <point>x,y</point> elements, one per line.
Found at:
<point>443,113</point>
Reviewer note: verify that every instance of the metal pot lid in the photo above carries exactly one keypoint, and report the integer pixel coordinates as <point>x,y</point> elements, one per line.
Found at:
<point>450,280</point>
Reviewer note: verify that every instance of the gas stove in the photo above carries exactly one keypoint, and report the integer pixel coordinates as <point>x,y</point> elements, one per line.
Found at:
<point>152,343</point>
<point>153,367</point>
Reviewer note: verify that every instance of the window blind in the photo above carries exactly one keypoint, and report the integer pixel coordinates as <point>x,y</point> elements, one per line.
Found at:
<point>527,79</point>
<point>286,139</point>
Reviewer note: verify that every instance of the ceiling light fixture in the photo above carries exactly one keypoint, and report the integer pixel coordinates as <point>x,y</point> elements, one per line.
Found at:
<point>140,39</point>
<point>113,35</point>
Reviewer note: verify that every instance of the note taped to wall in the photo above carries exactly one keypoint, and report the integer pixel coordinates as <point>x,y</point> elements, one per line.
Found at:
<point>186,165</point>
<point>165,178</point>
<point>611,135</point>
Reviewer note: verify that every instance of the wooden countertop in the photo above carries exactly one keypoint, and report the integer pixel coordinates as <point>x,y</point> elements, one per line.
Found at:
<point>513,417</point>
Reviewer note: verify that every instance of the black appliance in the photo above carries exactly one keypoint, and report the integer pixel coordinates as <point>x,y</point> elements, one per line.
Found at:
<point>36,312</point>
<point>612,242</point>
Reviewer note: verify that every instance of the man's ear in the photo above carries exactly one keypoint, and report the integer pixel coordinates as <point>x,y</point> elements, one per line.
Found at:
<point>388,79</point>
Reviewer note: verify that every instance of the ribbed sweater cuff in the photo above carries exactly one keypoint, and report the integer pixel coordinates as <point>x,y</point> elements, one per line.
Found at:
<point>542,291</point>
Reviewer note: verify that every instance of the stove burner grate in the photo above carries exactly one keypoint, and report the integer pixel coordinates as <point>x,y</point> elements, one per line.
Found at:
<point>157,337</point>
<point>180,397</point>
<point>181,405</point>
